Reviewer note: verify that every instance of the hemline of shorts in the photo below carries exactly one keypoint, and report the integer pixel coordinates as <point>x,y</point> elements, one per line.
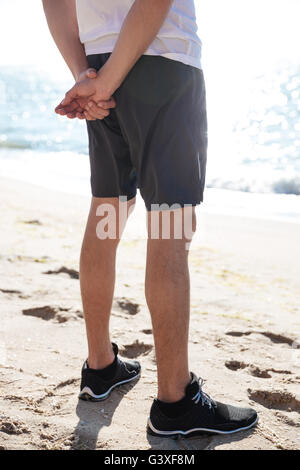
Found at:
<point>181,204</point>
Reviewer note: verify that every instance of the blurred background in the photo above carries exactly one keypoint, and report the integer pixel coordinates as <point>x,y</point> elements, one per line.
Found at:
<point>251,60</point>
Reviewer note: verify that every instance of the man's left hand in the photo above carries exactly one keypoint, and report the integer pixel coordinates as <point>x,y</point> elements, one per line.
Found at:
<point>87,99</point>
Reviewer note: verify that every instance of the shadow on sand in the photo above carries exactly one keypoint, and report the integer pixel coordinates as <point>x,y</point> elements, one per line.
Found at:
<point>205,442</point>
<point>93,416</point>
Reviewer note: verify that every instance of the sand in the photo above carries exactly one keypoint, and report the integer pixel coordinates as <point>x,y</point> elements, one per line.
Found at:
<point>244,340</point>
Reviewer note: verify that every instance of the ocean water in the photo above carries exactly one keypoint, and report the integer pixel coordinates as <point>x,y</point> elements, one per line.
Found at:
<point>253,92</point>
<point>263,147</point>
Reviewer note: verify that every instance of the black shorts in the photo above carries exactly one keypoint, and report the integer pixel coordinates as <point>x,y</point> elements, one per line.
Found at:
<point>156,137</point>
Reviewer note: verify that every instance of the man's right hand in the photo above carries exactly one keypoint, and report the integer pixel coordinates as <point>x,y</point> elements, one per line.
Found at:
<point>78,107</point>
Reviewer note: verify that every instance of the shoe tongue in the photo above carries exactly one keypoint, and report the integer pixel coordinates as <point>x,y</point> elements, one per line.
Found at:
<point>193,387</point>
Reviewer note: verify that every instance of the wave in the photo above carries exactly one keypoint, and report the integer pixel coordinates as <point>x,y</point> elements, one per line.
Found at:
<point>289,186</point>
<point>73,165</point>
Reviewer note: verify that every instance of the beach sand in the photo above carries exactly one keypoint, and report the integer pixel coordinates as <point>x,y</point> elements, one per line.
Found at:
<point>245,328</point>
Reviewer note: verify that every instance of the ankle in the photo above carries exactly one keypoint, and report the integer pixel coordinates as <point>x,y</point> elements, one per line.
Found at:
<point>100,360</point>
<point>169,393</point>
<point>99,364</point>
<point>170,397</point>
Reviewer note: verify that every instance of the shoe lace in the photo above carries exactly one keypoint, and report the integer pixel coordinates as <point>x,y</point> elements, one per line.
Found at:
<point>204,397</point>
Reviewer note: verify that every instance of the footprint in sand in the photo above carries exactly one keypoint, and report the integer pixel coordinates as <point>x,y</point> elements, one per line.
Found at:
<point>238,334</point>
<point>63,270</point>
<point>275,399</point>
<point>135,349</point>
<point>14,292</point>
<point>46,401</point>
<point>127,305</point>
<point>47,312</point>
<point>147,331</point>
<point>65,383</point>
<point>12,426</point>
<point>259,373</point>
<point>275,338</point>
<point>32,222</point>
<point>254,370</point>
<point>235,365</point>
<point>287,420</point>
<point>10,291</point>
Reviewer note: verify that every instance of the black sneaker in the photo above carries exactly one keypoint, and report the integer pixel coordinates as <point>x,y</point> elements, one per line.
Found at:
<point>202,415</point>
<point>96,386</point>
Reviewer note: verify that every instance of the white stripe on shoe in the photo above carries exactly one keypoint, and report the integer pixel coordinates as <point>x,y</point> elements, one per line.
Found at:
<point>186,433</point>
<point>87,391</point>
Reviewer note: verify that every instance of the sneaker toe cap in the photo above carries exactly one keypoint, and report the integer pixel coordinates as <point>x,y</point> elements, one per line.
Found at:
<point>133,366</point>
<point>251,416</point>
<point>236,416</point>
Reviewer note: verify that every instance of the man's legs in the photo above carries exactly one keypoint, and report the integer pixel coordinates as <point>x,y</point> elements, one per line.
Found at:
<point>97,278</point>
<point>168,297</point>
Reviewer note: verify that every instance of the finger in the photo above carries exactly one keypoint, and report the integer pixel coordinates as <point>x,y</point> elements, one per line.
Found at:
<point>70,108</point>
<point>61,112</point>
<point>80,116</point>
<point>70,96</point>
<point>91,73</point>
<point>107,104</point>
<point>88,117</point>
<point>65,109</point>
<point>97,112</point>
<point>71,115</point>
<point>98,115</point>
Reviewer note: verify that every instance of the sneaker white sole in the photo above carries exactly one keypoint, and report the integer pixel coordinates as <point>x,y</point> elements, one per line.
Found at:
<point>155,432</point>
<point>87,394</point>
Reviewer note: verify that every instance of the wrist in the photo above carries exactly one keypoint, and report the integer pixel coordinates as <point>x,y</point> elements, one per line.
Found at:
<point>77,74</point>
<point>108,80</point>
<point>79,69</point>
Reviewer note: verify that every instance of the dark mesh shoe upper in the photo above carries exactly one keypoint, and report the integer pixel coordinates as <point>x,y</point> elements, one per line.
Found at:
<point>203,413</point>
<point>124,370</point>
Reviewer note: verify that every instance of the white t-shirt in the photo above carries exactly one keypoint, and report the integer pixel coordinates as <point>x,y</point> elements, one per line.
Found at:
<point>100,22</point>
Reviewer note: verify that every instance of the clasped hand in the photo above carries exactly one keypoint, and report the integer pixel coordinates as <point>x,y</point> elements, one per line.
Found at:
<point>87,99</point>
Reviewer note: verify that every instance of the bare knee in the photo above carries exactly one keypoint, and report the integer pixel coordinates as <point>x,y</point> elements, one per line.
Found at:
<point>193,223</point>
<point>107,219</point>
<point>176,224</point>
